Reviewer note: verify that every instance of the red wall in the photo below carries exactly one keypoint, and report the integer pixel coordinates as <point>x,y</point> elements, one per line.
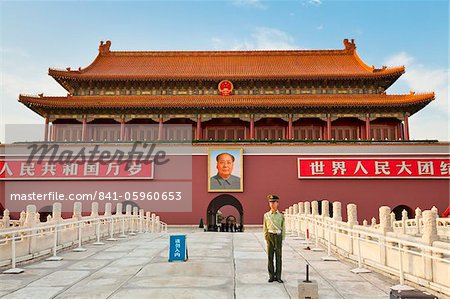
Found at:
<point>278,175</point>
<point>266,174</point>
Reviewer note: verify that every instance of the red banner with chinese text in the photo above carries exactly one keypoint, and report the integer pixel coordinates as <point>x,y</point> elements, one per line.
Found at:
<point>361,168</point>
<point>21,170</point>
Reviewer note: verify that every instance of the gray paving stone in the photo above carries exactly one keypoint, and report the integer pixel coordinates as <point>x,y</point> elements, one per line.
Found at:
<point>220,265</point>
<point>60,278</point>
<point>34,293</point>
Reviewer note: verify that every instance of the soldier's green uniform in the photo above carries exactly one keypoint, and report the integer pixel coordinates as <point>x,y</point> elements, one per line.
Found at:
<point>274,232</point>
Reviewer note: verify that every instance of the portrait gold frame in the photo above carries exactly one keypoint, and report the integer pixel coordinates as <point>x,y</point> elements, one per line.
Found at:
<point>225,149</point>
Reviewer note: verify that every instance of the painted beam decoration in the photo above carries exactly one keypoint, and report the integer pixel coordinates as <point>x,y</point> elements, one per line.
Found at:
<point>378,167</point>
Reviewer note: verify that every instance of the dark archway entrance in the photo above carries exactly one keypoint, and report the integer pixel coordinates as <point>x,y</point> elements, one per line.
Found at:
<point>399,209</point>
<point>216,204</point>
<point>44,212</point>
<point>129,203</point>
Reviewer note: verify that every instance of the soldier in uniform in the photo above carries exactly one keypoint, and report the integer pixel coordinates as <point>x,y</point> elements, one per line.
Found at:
<point>274,232</point>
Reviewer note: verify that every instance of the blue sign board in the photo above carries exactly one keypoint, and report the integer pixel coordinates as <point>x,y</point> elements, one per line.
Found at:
<point>178,248</point>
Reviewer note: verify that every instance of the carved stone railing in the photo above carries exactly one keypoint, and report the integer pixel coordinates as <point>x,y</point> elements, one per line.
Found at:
<point>421,258</point>
<point>29,238</point>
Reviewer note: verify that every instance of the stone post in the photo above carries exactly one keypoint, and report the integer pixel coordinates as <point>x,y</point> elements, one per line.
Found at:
<point>128,216</point>
<point>404,218</point>
<point>37,218</point>
<point>373,222</point>
<point>134,219</point>
<point>301,208</point>
<point>429,227</point>
<point>301,211</point>
<point>22,218</point>
<point>94,209</point>
<point>435,210</point>
<point>290,212</point>
<point>108,209</point>
<point>337,216</point>
<point>315,208</point>
<point>76,210</point>
<point>30,216</point>
<point>352,220</point>
<point>295,209</point>
<point>385,226</point>
<point>141,219</point>
<point>417,217</point>
<point>119,208</point>
<point>307,208</point>
<point>147,221</point>
<point>56,212</point>
<point>429,236</point>
<point>325,208</point>
<point>153,222</point>
<point>295,218</point>
<point>392,219</point>
<point>337,213</point>
<point>385,219</point>
<point>158,224</point>
<point>30,221</point>
<point>6,219</point>
<point>352,217</point>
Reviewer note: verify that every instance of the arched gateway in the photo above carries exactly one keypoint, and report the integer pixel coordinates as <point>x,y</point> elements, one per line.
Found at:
<point>216,204</point>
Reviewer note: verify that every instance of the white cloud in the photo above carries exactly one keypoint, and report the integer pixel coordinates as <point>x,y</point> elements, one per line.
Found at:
<point>262,38</point>
<point>31,82</point>
<point>249,3</point>
<point>320,27</point>
<point>14,51</point>
<point>433,121</point>
<point>311,2</point>
<point>399,59</point>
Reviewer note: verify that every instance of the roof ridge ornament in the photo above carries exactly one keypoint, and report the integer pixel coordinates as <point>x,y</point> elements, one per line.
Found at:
<point>350,46</point>
<point>103,49</point>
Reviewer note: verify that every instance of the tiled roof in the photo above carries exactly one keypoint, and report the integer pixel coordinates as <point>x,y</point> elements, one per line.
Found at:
<point>268,64</point>
<point>214,101</point>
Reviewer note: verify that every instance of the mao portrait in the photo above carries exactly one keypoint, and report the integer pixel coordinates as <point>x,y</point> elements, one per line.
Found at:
<point>225,171</point>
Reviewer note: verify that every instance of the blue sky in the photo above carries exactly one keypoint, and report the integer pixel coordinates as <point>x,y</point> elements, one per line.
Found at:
<point>37,35</point>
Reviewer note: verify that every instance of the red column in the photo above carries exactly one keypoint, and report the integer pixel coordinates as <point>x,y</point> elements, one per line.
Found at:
<point>160,128</point>
<point>367,127</point>
<point>46,129</point>
<point>328,126</point>
<point>198,132</point>
<point>122,129</point>
<point>406,128</point>
<point>83,129</point>
<point>252,126</point>
<point>53,132</point>
<point>289,134</point>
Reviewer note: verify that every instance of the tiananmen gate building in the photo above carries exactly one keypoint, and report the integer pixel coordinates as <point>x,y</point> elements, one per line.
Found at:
<point>302,124</point>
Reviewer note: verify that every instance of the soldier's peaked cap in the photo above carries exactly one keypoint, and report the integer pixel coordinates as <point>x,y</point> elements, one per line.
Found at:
<point>272,197</point>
